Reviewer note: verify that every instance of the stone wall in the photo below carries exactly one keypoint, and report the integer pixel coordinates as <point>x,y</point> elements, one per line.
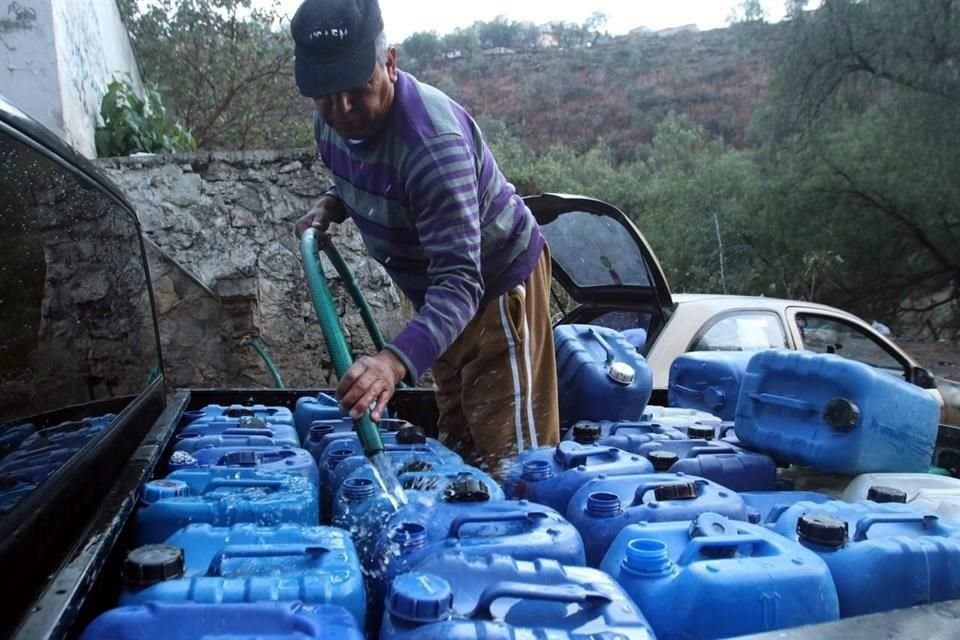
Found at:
<point>225,265</point>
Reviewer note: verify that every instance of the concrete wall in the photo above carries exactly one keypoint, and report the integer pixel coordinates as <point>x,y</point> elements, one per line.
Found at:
<point>56,59</point>
<point>92,48</point>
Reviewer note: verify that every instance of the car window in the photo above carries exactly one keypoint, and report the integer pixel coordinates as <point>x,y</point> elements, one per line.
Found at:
<point>822,334</point>
<point>741,331</point>
<point>596,251</point>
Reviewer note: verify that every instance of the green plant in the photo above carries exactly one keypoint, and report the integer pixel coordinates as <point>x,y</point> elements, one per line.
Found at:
<point>132,124</point>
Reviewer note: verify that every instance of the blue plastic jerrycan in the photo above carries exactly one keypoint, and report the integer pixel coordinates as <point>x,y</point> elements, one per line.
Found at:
<point>238,412</point>
<point>760,504</point>
<point>466,519</point>
<point>723,463</point>
<point>336,465</point>
<point>13,435</point>
<point>678,417</point>
<point>629,436</point>
<point>361,507</point>
<point>602,376</point>
<point>73,434</point>
<point>718,578</point>
<point>708,381</point>
<point>283,433</point>
<point>834,414</point>
<point>602,507</point>
<point>242,495</point>
<point>283,459</point>
<point>453,595</point>
<point>311,408</point>
<point>916,553</point>
<point>407,435</point>
<point>551,475</point>
<point>263,620</point>
<point>192,442</point>
<point>27,458</point>
<point>248,563</point>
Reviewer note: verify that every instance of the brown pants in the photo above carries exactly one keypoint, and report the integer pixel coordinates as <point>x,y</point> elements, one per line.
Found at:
<point>497,384</point>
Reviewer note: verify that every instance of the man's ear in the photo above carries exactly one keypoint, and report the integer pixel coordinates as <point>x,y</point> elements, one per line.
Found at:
<point>392,64</point>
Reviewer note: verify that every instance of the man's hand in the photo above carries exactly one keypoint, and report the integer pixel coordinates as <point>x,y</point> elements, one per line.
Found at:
<point>371,378</point>
<point>327,210</point>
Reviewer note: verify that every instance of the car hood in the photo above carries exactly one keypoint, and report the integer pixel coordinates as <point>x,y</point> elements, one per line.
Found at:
<point>599,256</point>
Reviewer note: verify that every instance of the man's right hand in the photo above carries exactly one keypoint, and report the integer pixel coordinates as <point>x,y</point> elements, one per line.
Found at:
<point>327,210</point>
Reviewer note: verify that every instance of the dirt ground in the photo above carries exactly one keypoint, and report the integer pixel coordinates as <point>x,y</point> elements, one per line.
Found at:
<point>942,358</point>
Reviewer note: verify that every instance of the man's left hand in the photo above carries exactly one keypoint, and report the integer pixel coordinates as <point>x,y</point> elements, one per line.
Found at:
<point>370,379</point>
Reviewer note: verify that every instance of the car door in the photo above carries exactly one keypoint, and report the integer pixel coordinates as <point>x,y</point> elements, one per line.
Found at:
<point>821,331</point>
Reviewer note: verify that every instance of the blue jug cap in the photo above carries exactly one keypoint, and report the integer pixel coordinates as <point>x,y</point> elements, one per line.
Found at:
<point>700,432</point>
<point>420,597</point>
<point>587,432</point>
<point>181,460</point>
<point>153,563</point>
<point>841,414</point>
<point>823,530</point>
<point>886,494</point>
<point>662,460</point>
<point>160,489</point>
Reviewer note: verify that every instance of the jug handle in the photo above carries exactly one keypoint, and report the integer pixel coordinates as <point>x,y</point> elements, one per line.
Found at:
<point>603,344</point>
<point>694,393</point>
<point>573,594</point>
<point>244,483</point>
<point>864,524</point>
<point>651,427</point>
<point>261,551</point>
<point>571,460</point>
<point>235,458</point>
<point>709,450</point>
<point>460,521</point>
<point>692,551</point>
<point>642,490</point>
<point>239,431</point>
<point>782,401</point>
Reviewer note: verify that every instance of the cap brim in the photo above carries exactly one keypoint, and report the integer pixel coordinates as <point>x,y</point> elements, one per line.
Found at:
<point>318,79</point>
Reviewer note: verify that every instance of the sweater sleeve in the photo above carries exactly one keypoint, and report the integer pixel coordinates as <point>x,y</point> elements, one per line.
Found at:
<point>442,185</point>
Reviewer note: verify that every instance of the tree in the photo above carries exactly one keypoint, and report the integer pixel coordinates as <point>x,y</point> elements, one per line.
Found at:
<point>499,32</point>
<point>465,41</point>
<point>224,67</point>
<point>423,46</point>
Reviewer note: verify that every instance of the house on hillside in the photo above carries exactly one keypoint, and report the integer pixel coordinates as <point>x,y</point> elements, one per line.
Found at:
<point>57,58</point>
<point>547,36</point>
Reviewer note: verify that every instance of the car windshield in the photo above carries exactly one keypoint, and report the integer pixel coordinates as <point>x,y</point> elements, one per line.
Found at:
<point>596,251</point>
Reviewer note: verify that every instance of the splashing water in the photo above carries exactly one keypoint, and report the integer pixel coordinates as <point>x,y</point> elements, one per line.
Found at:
<point>388,480</point>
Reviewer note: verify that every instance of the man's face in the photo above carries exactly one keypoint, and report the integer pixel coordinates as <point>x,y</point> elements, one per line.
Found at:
<point>359,113</point>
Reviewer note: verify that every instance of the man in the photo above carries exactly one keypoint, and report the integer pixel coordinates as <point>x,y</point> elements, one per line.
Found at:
<point>411,169</point>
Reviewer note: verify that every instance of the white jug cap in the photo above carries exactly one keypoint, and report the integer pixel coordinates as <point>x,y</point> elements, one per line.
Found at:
<point>621,373</point>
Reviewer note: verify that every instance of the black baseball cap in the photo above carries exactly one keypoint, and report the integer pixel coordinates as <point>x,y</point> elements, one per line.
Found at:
<point>335,44</point>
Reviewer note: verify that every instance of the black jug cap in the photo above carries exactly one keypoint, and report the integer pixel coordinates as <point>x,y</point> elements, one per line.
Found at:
<point>886,494</point>
<point>467,489</point>
<point>662,460</point>
<point>823,530</point>
<point>153,563</point>
<point>676,491</point>
<point>410,434</point>
<point>586,432</point>
<point>841,414</point>
<point>700,432</point>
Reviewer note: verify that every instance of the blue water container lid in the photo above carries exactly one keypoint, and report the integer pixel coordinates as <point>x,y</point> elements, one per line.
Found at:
<point>886,494</point>
<point>181,460</point>
<point>160,489</point>
<point>420,597</point>
<point>587,432</point>
<point>662,460</point>
<point>700,432</point>
<point>823,530</point>
<point>466,488</point>
<point>153,563</point>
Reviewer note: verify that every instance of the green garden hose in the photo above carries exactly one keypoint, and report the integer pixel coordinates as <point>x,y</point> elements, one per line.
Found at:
<point>351,284</point>
<point>333,333</point>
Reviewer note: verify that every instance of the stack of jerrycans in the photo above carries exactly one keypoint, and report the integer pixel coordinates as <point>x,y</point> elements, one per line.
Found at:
<point>229,542</point>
